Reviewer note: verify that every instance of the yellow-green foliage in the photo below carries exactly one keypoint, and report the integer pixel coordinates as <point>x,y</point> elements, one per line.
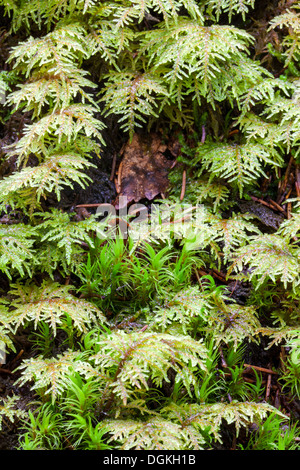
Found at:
<point>9,410</point>
<point>133,329</point>
<point>50,303</point>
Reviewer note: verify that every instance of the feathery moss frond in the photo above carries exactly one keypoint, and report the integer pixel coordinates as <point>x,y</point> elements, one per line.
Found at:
<point>64,46</point>
<point>207,189</point>
<point>134,96</point>
<point>60,125</point>
<point>51,376</point>
<point>52,175</point>
<point>287,335</point>
<point>138,9</point>
<point>290,228</point>
<point>9,409</point>
<point>268,256</point>
<point>211,415</point>
<point>103,38</point>
<point>279,123</point>
<point>5,334</point>
<point>51,303</point>
<point>183,308</point>
<point>265,89</point>
<point>291,42</point>
<point>189,50</point>
<point>231,323</point>
<point>59,89</point>
<point>59,228</point>
<point>287,114</point>
<point>17,249</point>
<point>231,7</point>
<point>184,426</point>
<point>43,11</point>
<point>155,433</point>
<point>137,357</point>
<point>232,232</point>
<point>64,125</point>
<point>241,164</point>
<point>255,128</point>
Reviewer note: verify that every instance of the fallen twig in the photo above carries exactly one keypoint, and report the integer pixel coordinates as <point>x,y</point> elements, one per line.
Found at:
<point>289,209</point>
<point>271,205</point>
<point>261,201</point>
<point>223,361</point>
<point>98,204</point>
<point>118,181</point>
<point>203,137</point>
<point>17,356</point>
<point>261,369</point>
<point>268,388</point>
<point>282,185</point>
<point>277,206</point>
<point>297,182</point>
<point>5,371</point>
<point>113,167</point>
<point>183,185</point>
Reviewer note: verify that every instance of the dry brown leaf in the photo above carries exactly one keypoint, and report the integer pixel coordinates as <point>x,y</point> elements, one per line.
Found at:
<point>143,172</point>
